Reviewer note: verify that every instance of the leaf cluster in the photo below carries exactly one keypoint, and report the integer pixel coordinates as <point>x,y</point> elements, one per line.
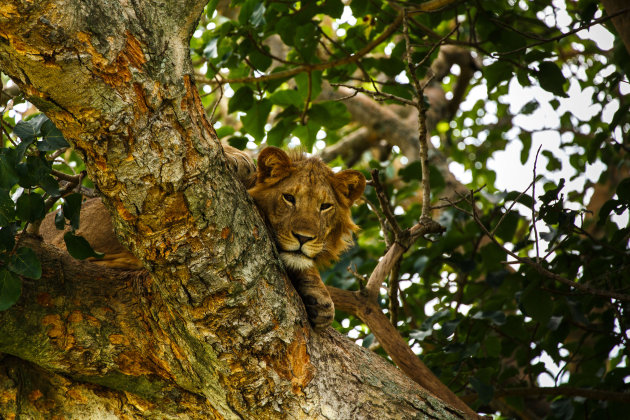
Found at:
<point>30,184</point>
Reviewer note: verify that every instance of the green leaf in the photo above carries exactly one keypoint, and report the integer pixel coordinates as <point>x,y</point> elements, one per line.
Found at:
<point>301,80</point>
<point>7,209</point>
<point>79,247</point>
<point>537,303</point>
<point>32,171</point>
<point>496,73</point>
<point>10,289</point>
<point>257,17</point>
<point>72,209</point>
<point>552,194</point>
<point>412,171</point>
<point>551,78</point>
<point>287,97</point>
<point>60,220</point>
<point>507,228</point>
<point>27,131</point>
<point>259,60</point>
<point>256,118</point>
<point>53,139</point>
<point>484,392</point>
<point>238,142</point>
<point>8,175</point>
<point>529,107</point>
<point>307,134</point>
<point>524,199</point>
<point>7,237</point>
<point>50,185</point>
<point>330,114</point>
<point>436,178</point>
<point>30,207</point>
<point>25,263</point>
<point>306,40</point>
<point>333,8</point>
<point>609,206</point>
<point>623,191</point>
<point>359,7</point>
<point>526,139</point>
<point>553,163</point>
<point>496,317</point>
<point>211,7</point>
<point>225,131</point>
<point>279,132</point>
<point>212,48</point>
<point>286,29</point>
<point>242,100</point>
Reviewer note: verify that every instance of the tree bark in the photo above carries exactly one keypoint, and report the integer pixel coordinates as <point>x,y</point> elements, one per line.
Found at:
<point>216,327</point>
<point>622,21</point>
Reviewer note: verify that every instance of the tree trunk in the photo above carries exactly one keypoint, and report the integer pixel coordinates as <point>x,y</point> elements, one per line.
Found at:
<point>215,329</point>
<point>622,20</point>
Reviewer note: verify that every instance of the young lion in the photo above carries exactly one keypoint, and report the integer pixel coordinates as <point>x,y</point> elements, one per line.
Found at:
<point>306,207</point>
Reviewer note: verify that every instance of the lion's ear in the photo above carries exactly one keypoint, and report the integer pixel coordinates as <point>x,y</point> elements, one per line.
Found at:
<point>350,183</point>
<point>273,163</point>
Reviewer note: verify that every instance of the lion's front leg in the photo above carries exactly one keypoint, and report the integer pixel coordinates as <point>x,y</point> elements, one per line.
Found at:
<point>317,300</point>
<point>241,164</point>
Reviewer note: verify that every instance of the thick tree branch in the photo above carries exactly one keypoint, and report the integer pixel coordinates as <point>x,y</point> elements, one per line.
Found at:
<point>397,348</point>
<point>79,319</point>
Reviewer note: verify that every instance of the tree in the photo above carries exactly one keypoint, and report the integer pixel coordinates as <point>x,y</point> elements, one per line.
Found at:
<point>213,327</point>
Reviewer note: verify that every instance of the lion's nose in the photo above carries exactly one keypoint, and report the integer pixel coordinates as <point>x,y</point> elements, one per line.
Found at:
<point>302,239</point>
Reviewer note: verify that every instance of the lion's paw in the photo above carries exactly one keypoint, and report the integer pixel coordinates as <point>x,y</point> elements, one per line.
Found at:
<point>240,163</point>
<point>321,312</point>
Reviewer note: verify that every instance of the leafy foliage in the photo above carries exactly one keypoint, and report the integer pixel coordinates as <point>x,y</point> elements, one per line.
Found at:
<point>486,325</point>
<point>29,187</point>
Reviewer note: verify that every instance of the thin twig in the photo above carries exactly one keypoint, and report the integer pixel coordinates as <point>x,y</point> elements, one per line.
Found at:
<point>74,179</point>
<point>308,97</point>
<point>216,104</point>
<point>376,95</point>
<point>382,222</point>
<point>357,275</point>
<point>57,153</point>
<point>450,203</point>
<point>384,202</point>
<point>422,125</point>
<point>392,292</point>
<point>534,207</point>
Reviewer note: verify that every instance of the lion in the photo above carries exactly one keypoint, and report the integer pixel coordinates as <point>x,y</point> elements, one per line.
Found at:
<point>306,207</point>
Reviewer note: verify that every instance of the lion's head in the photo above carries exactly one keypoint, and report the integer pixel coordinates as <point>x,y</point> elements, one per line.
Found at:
<point>307,206</point>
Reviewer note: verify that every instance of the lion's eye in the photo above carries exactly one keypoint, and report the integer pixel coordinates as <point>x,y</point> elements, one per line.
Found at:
<point>288,198</point>
<point>325,206</point>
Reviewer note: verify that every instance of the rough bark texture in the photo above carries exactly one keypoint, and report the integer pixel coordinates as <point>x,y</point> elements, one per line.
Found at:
<point>622,21</point>
<point>216,330</point>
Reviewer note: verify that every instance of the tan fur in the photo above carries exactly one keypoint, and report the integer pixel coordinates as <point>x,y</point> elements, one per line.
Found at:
<point>96,227</point>
<point>307,235</point>
<point>307,207</point>
<point>312,183</point>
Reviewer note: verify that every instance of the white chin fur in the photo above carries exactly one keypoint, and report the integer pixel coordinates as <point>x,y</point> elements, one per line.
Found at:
<point>296,261</point>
